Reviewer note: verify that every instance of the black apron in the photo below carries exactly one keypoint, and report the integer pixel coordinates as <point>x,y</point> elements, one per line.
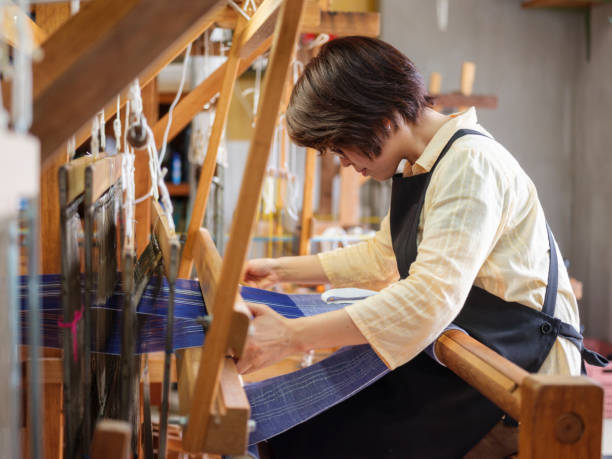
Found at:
<point>422,409</point>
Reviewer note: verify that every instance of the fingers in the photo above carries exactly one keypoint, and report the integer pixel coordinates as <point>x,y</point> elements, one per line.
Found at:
<point>258,309</point>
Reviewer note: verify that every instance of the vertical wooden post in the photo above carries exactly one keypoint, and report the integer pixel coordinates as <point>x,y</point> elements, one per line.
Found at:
<point>468,72</point>
<point>210,161</point>
<point>435,85</point>
<point>49,18</point>
<point>142,176</point>
<point>306,217</point>
<point>218,340</point>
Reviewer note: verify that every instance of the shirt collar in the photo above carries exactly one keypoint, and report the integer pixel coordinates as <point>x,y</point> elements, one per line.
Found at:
<point>462,120</point>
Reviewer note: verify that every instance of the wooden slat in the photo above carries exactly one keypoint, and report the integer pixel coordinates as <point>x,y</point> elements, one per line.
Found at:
<point>108,39</point>
<point>307,202</point>
<point>215,348</point>
<point>75,176</point>
<point>346,23</point>
<point>103,173</point>
<point>210,161</point>
<point>112,439</point>
<point>259,27</point>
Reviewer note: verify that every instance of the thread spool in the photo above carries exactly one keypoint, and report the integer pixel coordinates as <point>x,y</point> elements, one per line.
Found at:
<point>137,135</point>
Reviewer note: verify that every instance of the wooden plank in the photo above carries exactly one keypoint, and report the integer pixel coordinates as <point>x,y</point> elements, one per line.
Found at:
<point>193,102</point>
<point>102,174</point>
<point>216,346</point>
<point>561,416</point>
<point>109,39</point>
<point>75,176</point>
<point>111,439</point>
<point>8,25</point>
<point>168,241</point>
<point>259,27</point>
<point>346,23</point>
<point>210,161</point>
<point>307,202</point>
<point>490,379</point>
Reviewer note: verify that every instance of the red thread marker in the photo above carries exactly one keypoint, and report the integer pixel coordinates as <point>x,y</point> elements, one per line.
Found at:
<point>72,325</point>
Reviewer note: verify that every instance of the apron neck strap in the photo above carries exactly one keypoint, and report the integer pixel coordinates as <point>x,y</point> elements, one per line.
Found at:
<point>550,299</point>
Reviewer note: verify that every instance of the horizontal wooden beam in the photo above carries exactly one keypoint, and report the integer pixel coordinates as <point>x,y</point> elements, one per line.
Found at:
<point>346,23</point>
<point>456,99</point>
<point>109,40</point>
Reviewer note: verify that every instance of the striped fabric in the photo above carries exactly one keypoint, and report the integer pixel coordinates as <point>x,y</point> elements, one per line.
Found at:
<point>277,404</point>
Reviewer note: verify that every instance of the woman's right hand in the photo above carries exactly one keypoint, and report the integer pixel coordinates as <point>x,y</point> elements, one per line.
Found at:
<point>261,272</point>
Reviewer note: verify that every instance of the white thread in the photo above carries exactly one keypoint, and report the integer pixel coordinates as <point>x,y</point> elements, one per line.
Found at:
<point>320,40</point>
<point>95,140</point>
<point>174,102</point>
<point>238,10</point>
<point>75,6</point>
<point>117,125</point>
<point>102,123</point>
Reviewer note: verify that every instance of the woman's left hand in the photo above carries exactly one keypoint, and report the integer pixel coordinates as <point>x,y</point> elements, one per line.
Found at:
<point>271,338</point>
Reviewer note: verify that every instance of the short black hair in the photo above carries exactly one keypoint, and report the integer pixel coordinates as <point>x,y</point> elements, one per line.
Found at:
<point>349,90</point>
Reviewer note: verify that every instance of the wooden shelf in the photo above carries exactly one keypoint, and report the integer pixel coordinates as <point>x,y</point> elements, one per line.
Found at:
<point>456,99</point>
<point>560,3</point>
<point>182,189</point>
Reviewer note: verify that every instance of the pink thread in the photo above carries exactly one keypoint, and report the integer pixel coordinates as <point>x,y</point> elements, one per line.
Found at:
<point>72,325</point>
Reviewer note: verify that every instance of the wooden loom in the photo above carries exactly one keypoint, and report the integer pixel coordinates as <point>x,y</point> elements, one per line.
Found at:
<point>218,417</point>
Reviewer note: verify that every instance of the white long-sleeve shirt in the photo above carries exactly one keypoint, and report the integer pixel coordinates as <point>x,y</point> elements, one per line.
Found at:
<point>481,224</point>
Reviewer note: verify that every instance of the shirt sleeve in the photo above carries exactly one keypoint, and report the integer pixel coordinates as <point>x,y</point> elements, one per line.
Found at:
<point>369,264</point>
<point>460,223</point>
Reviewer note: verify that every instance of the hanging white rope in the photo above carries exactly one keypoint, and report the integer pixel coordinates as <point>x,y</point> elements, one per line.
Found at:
<point>22,83</point>
<point>71,147</point>
<point>117,125</point>
<point>94,143</point>
<point>175,101</point>
<point>102,125</point>
<point>442,14</point>
<point>75,6</point>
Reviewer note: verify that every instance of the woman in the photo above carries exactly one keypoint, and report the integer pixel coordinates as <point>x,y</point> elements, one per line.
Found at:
<point>465,241</point>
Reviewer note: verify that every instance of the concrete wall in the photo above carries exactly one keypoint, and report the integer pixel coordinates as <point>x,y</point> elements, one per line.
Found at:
<point>591,254</point>
<point>528,58</point>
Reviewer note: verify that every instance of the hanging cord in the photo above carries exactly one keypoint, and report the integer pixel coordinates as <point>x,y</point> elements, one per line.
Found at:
<point>117,125</point>
<point>162,153</point>
<point>102,123</point>
<point>71,148</point>
<point>95,139</point>
<point>22,83</point>
<point>75,6</point>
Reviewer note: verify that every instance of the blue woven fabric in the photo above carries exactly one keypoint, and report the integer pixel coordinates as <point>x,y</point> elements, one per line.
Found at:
<point>277,404</point>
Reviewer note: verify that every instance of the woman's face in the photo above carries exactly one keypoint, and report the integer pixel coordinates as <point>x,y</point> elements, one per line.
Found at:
<point>380,167</point>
